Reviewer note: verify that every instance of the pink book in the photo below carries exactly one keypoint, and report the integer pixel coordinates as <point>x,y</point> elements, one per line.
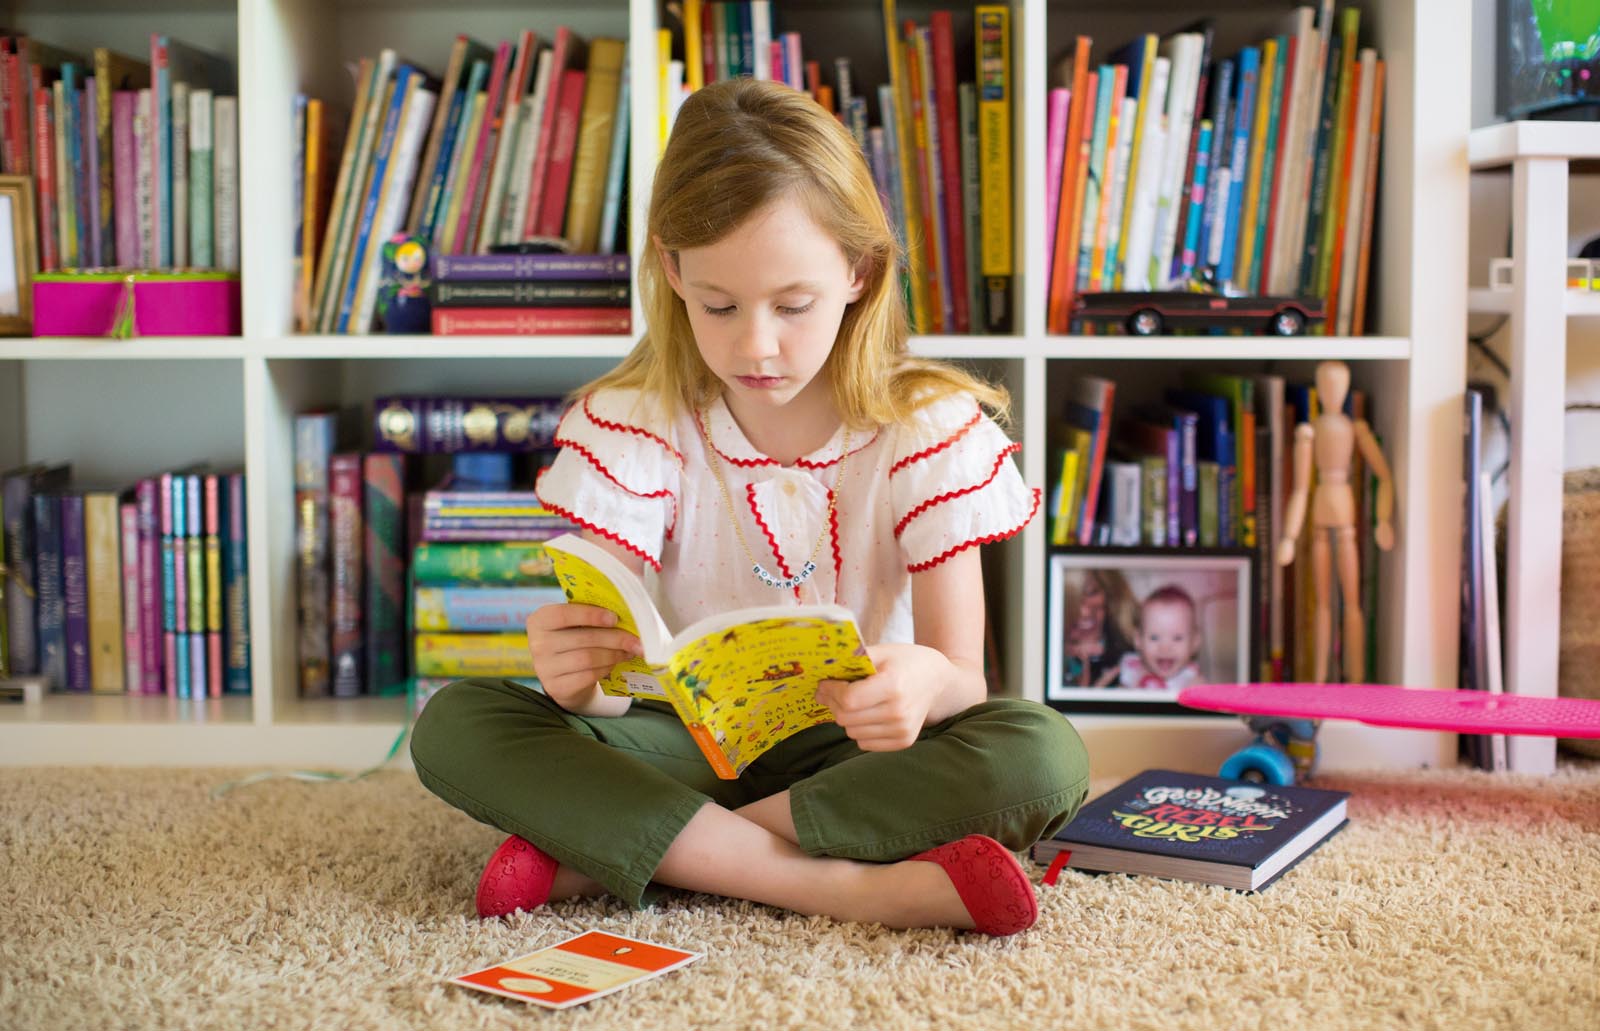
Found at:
<point>44,160</point>
<point>214,601</point>
<point>479,157</point>
<point>780,67</point>
<point>561,55</point>
<point>791,60</point>
<point>563,144</point>
<point>124,170</point>
<point>516,88</point>
<point>132,639</point>
<point>1055,150</point>
<point>347,539</point>
<point>150,638</point>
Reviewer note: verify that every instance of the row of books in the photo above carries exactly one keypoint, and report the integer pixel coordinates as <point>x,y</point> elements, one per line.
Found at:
<point>137,589</point>
<point>361,520</point>
<point>530,294</point>
<point>515,142</point>
<point>135,161</point>
<point>1255,173</point>
<point>1207,465</point>
<point>940,152</point>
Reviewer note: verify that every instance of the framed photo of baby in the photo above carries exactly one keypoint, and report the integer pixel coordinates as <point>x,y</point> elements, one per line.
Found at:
<point>1127,630</point>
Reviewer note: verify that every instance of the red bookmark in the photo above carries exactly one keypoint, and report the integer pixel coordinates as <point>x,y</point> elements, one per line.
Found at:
<point>1054,873</point>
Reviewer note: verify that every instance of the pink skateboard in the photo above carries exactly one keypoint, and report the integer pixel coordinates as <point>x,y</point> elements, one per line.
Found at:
<point>1283,718</point>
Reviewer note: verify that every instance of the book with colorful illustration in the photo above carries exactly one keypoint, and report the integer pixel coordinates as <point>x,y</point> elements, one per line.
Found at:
<point>1197,828</point>
<point>741,681</point>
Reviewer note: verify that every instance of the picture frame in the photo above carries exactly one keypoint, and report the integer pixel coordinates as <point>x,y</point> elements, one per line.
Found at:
<point>19,254</point>
<point>1127,629</point>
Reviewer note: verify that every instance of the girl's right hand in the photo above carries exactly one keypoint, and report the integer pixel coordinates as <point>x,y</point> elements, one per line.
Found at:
<point>573,646</point>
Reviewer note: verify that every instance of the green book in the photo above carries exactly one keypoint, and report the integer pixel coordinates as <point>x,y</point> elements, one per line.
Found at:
<point>201,189</point>
<point>485,562</point>
<point>1153,484</point>
<point>1210,499</point>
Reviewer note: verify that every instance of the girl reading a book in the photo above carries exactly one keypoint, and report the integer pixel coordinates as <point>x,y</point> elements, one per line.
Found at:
<point>771,440</point>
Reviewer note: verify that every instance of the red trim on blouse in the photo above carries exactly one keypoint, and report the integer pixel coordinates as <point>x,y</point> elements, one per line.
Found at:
<point>986,539</point>
<point>807,463</point>
<point>622,427</point>
<point>743,463</point>
<point>999,462</point>
<point>783,567</point>
<point>977,417</point>
<point>654,563</point>
<point>594,460</point>
<point>833,531</point>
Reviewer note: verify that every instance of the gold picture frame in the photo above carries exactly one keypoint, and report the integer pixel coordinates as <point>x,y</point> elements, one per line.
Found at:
<point>19,254</point>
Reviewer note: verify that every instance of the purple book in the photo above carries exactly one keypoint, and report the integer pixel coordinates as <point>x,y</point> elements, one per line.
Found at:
<point>347,540</point>
<point>75,591</point>
<point>463,267</point>
<point>124,170</point>
<point>446,425</point>
<point>150,642</point>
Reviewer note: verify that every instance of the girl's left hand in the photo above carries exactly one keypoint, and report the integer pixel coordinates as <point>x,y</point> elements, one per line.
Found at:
<point>886,711</point>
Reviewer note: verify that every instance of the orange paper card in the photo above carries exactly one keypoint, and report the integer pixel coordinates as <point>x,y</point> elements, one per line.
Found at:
<point>576,970</point>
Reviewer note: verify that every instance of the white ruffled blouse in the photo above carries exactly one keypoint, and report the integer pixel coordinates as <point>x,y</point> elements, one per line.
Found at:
<point>908,497</point>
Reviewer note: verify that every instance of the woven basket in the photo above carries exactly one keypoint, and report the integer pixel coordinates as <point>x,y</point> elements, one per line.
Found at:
<point>1579,675</point>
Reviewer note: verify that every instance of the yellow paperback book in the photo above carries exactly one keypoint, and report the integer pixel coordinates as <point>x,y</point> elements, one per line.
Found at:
<point>741,681</point>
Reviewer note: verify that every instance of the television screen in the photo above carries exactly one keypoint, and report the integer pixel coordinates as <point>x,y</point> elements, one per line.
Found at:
<point>1549,59</point>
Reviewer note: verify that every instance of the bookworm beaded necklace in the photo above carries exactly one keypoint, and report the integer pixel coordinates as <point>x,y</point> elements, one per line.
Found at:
<point>782,583</point>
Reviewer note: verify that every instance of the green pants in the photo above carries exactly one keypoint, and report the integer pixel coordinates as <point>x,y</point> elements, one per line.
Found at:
<point>607,795</point>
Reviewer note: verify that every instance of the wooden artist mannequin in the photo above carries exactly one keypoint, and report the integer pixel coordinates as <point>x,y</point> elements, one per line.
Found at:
<point>1329,441</point>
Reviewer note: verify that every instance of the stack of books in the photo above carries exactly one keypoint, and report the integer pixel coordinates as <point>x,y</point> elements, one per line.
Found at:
<point>940,153</point>
<point>135,160</point>
<point>531,294</point>
<point>1255,172</point>
<point>520,141</point>
<point>137,589</point>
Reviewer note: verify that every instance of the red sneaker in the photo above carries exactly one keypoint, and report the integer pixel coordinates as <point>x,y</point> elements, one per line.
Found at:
<point>518,876</point>
<point>992,885</point>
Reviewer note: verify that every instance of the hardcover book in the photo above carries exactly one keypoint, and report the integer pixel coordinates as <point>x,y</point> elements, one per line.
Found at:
<point>741,681</point>
<point>1197,828</point>
<point>445,425</point>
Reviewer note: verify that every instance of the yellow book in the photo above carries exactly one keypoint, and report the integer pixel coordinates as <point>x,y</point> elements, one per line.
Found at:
<point>663,89</point>
<point>1066,500</point>
<point>693,69</point>
<point>310,213</point>
<point>917,73</point>
<point>1254,170</point>
<point>102,533</point>
<point>915,258</point>
<point>740,681</point>
<point>593,155</point>
<point>994,153</point>
<point>472,655</point>
<point>459,163</point>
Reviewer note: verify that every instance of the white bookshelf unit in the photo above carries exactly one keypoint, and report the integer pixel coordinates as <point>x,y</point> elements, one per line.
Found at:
<point>1540,157</point>
<point>122,409</point>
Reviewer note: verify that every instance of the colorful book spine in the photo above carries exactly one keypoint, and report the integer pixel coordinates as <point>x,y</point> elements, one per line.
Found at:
<point>202,184</point>
<point>212,515</point>
<point>530,294</point>
<point>144,176</point>
<point>501,321</point>
<point>180,175</point>
<point>132,635</point>
<point>225,177</point>
<point>466,655</point>
<point>479,609</point>
<point>457,268</point>
<point>994,146</point>
<point>367,201</point>
<point>493,530</point>
<point>102,532</point>
<point>1238,163</point>
<point>510,563</point>
<point>17,493</point>
<point>124,167</point>
<point>171,609</point>
<point>150,586</point>
<point>49,602</point>
<point>45,166</point>
<point>236,586</point>
<point>195,566</point>
<point>161,150</point>
<point>347,639</point>
<point>384,501</point>
<point>563,150</point>
<point>445,425</point>
<point>617,170</point>
<point>315,435</point>
<point>592,156</point>
<point>75,591</point>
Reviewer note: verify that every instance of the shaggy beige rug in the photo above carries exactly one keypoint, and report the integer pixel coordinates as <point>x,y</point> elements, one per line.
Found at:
<point>1454,900</point>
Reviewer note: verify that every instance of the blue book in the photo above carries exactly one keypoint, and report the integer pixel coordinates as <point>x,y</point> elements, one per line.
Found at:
<point>433,207</point>
<point>1217,186</point>
<point>1249,75</point>
<point>611,211</point>
<point>1322,174</point>
<point>1198,828</point>
<point>180,583</point>
<point>49,605</point>
<point>17,492</point>
<point>75,591</point>
<point>235,587</point>
<point>369,205</point>
<point>1189,246</point>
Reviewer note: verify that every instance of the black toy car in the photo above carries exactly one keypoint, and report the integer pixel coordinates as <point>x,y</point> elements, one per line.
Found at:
<point>1147,313</point>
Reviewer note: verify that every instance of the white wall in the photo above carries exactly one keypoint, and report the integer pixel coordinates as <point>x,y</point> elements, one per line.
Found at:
<point>1489,236</point>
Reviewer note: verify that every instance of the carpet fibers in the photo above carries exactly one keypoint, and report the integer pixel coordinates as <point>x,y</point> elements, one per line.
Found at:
<point>1454,900</point>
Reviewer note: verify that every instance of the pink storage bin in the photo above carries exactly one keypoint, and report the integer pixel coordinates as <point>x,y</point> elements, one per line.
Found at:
<point>161,303</point>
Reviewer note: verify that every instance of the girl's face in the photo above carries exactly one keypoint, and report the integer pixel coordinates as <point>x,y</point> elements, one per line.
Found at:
<point>765,303</point>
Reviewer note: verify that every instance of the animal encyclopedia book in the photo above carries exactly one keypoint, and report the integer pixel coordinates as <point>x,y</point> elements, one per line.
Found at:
<point>741,681</point>
<point>1197,828</point>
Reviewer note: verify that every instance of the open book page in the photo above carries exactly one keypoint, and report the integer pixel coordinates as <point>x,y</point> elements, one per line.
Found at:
<point>588,575</point>
<point>753,675</point>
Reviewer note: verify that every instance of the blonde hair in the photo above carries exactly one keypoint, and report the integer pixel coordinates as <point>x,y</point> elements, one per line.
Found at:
<point>737,147</point>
